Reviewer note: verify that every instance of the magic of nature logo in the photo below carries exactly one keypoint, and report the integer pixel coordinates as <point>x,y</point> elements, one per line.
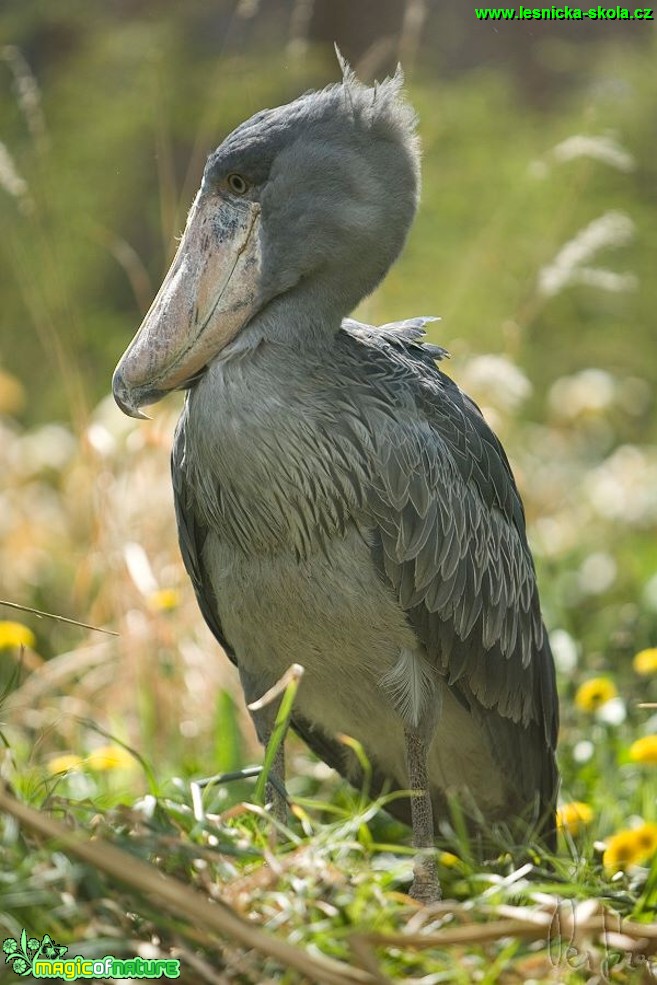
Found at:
<point>45,958</point>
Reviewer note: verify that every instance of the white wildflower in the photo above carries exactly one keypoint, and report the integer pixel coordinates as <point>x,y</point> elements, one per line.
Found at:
<point>564,649</point>
<point>583,751</point>
<point>49,447</point>
<point>600,148</point>
<point>597,573</point>
<point>613,229</point>
<point>624,487</point>
<point>246,9</point>
<point>591,391</point>
<point>12,182</point>
<point>497,381</point>
<point>100,439</point>
<point>606,280</point>
<point>27,91</point>
<point>612,712</point>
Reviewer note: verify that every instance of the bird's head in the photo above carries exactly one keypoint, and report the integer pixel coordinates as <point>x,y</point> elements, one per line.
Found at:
<point>301,211</point>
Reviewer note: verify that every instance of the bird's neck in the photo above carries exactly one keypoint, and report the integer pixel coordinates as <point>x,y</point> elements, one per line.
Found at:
<point>309,314</point>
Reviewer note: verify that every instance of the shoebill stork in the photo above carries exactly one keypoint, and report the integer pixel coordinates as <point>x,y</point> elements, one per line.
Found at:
<point>341,503</point>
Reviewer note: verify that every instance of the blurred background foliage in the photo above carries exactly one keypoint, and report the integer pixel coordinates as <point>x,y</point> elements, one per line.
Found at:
<point>535,244</point>
<point>109,138</point>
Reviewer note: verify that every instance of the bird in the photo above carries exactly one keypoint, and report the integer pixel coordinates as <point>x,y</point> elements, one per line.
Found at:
<point>341,503</point>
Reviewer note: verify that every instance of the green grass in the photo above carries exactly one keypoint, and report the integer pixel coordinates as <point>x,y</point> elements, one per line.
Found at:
<point>328,887</point>
<point>331,883</point>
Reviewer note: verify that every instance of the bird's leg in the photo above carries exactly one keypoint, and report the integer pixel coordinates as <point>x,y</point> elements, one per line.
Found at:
<point>264,720</point>
<point>426,887</point>
<point>274,791</point>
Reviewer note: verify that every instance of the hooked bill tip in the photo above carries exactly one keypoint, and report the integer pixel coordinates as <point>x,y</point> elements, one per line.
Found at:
<point>124,398</point>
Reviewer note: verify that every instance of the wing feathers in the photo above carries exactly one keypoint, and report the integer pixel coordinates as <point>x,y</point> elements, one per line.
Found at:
<point>451,531</point>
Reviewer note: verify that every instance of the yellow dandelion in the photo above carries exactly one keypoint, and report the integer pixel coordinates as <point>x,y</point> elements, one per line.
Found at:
<point>164,599</point>
<point>574,817</point>
<point>109,758</point>
<point>621,851</point>
<point>65,763</point>
<point>646,837</point>
<point>12,394</point>
<point>646,841</point>
<point>645,661</point>
<point>14,635</point>
<point>630,847</point>
<point>644,750</point>
<point>594,693</point>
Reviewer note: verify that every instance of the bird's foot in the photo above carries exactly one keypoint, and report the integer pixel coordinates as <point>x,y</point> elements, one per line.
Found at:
<point>426,884</point>
<point>278,802</point>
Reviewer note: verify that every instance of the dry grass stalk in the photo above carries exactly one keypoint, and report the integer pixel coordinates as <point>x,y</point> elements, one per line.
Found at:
<point>178,899</point>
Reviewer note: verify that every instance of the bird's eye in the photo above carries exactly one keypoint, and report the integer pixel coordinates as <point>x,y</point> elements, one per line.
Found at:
<point>237,184</point>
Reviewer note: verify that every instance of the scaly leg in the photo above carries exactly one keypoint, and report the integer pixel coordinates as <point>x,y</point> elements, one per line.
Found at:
<point>426,887</point>
<point>264,719</point>
<point>274,794</point>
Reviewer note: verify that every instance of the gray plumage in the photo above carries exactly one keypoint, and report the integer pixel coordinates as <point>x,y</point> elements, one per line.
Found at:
<point>342,504</point>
